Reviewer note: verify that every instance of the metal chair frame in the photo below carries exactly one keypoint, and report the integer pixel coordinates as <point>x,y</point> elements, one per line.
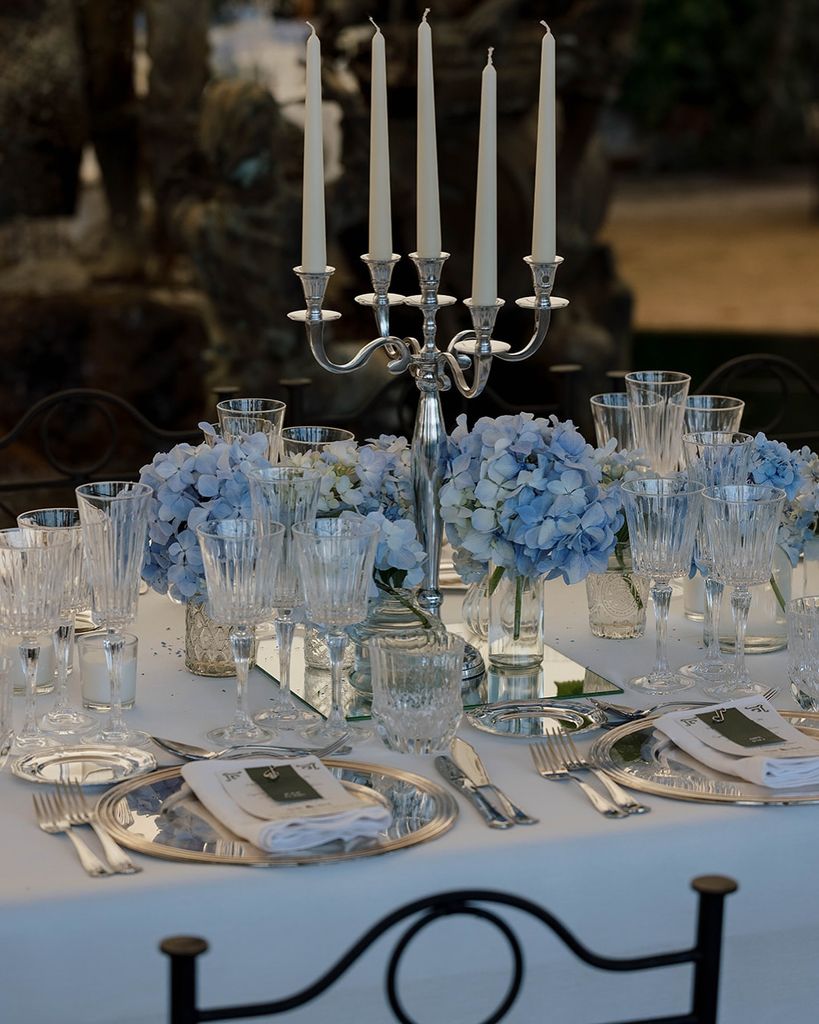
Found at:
<point>183,952</point>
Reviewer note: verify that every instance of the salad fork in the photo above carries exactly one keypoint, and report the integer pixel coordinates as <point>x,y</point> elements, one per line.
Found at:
<point>51,819</point>
<point>80,812</point>
<point>549,766</point>
<point>575,762</point>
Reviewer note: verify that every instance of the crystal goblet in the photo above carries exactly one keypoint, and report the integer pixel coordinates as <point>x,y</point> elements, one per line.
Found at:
<point>64,719</point>
<point>33,567</point>
<point>114,517</point>
<point>286,495</point>
<point>657,401</point>
<point>240,558</point>
<point>713,458</point>
<point>239,416</point>
<point>741,522</point>
<point>663,514</point>
<point>336,558</point>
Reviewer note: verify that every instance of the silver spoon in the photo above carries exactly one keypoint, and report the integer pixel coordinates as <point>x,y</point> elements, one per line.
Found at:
<point>190,752</point>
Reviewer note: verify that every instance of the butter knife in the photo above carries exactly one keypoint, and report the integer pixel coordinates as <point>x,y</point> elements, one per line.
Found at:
<point>455,777</point>
<point>468,760</point>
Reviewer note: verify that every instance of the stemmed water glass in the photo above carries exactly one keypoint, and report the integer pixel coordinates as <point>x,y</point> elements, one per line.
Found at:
<point>114,517</point>
<point>240,557</point>
<point>239,416</point>
<point>300,440</point>
<point>33,565</point>
<point>663,514</point>
<point>335,557</point>
<point>741,521</point>
<point>657,401</point>
<point>712,412</point>
<point>286,495</point>
<point>713,458</point>
<point>63,718</point>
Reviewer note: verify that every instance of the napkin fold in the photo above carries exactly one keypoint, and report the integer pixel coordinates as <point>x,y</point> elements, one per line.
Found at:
<point>747,738</point>
<point>334,814</point>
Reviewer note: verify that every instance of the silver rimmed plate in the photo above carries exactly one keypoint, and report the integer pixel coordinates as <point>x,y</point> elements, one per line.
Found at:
<point>87,765</point>
<point>155,815</point>
<point>643,759</point>
<point>532,719</point>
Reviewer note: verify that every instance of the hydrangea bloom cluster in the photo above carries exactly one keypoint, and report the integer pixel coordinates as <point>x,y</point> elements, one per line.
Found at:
<point>375,481</point>
<point>194,484</point>
<point>527,494</point>
<point>797,473</point>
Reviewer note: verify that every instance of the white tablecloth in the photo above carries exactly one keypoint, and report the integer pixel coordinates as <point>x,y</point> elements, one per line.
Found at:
<point>82,951</point>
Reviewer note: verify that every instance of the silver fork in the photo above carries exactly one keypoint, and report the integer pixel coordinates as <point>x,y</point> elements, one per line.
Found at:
<point>575,762</point>
<point>51,819</point>
<point>80,812</point>
<point>549,766</point>
<point>633,714</point>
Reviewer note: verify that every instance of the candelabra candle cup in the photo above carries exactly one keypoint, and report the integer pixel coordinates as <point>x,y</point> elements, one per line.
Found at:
<point>713,412</point>
<point>802,615</point>
<point>300,440</point>
<point>657,400</point>
<point>239,416</point>
<point>713,458</point>
<point>95,683</point>
<point>611,413</point>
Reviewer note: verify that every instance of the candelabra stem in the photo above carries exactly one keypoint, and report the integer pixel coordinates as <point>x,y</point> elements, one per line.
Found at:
<point>428,464</point>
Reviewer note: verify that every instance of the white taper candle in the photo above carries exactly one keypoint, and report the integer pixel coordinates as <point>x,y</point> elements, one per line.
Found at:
<point>380,238</point>
<point>545,222</point>
<point>485,253</point>
<point>428,215</point>
<point>313,241</point>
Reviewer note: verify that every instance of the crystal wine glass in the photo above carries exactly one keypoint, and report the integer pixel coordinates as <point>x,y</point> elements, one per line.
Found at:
<point>712,412</point>
<point>241,557</point>
<point>657,400</point>
<point>741,521</point>
<point>239,416</point>
<point>33,566</point>
<point>64,719</point>
<point>713,458</point>
<point>299,440</point>
<point>663,514</point>
<point>286,495</point>
<point>336,558</point>
<point>114,516</point>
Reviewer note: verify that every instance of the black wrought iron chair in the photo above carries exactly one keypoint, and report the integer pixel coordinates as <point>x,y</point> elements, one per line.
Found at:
<point>704,955</point>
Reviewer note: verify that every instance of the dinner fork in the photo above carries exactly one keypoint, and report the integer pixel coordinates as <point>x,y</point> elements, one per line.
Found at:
<point>574,761</point>
<point>51,819</point>
<point>79,812</point>
<point>634,714</point>
<point>549,766</point>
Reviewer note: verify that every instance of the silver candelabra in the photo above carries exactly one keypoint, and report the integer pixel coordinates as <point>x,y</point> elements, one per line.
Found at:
<point>434,369</point>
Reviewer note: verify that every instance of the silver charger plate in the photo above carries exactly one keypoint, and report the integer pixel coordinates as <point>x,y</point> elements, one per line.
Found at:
<point>150,816</point>
<point>87,765</point>
<point>534,719</point>
<point>643,759</point>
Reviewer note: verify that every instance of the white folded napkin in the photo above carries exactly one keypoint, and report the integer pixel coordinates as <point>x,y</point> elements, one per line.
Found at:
<point>330,813</point>
<point>747,738</point>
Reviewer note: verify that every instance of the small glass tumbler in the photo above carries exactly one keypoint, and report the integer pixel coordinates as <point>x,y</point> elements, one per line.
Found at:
<point>713,412</point>
<point>611,413</point>
<point>299,440</point>
<point>239,416</point>
<point>657,400</point>
<point>95,682</point>
<point>802,615</point>
<point>417,691</point>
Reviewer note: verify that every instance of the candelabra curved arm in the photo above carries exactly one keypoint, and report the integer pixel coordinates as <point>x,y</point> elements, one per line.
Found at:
<point>481,366</point>
<point>542,303</point>
<point>392,345</point>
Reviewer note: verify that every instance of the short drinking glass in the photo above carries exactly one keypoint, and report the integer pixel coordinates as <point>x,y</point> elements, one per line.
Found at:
<point>611,413</point>
<point>417,703</point>
<point>713,412</point>
<point>802,615</point>
<point>299,440</point>
<point>657,400</point>
<point>238,416</point>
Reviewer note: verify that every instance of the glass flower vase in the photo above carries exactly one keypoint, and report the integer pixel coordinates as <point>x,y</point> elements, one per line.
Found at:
<point>207,644</point>
<point>617,598</point>
<point>515,620</point>
<point>475,608</point>
<point>391,615</point>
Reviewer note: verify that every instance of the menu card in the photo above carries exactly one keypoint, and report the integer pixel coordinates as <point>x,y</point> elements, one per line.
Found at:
<point>286,804</point>
<point>748,738</point>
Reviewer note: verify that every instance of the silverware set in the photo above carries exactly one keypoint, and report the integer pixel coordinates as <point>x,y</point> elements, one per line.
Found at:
<point>625,714</point>
<point>191,752</point>
<point>67,807</point>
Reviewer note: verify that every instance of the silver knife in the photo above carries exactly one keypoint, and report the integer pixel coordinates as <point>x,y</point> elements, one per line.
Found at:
<point>453,775</point>
<point>467,759</point>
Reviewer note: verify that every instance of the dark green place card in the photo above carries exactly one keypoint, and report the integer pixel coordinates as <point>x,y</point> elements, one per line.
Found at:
<point>282,784</point>
<point>739,728</point>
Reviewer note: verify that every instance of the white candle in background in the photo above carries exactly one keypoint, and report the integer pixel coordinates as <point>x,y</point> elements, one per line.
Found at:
<point>380,243</point>
<point>428,212</point>
<point>485,254</point>
<point>95,680</point>
<point>313,241</point>
<point>545,222</point>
